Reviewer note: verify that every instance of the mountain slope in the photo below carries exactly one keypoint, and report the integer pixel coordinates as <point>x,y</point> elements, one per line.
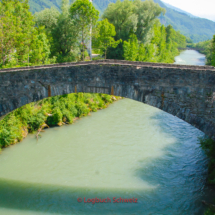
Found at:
<point>38,5</point>
<point>179,10</point>
<point>198,29</point>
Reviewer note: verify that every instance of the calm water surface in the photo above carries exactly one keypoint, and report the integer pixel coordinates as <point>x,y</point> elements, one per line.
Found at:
<point>190,57</point>
<point>127,150</point>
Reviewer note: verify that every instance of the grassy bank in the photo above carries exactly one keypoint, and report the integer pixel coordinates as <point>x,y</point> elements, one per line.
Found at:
<point>53,111</point>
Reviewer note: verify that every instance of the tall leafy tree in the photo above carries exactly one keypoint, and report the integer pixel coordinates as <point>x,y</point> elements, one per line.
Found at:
<point>131,48</point>
<point>65,36</point>
<point>105,36</point>
<point>213,52</point>
<point>40,49</point>
<point>48,18</point>
<point>122,15</point>
<point>7,33</point>
<point>17,33</point>
<point>62,32</point>
<point>129,17</point>
<point>84,15</point>
<point>147,12</point>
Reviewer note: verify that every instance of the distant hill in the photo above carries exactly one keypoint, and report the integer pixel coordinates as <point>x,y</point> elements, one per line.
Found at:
<point>198,29</point>
<point>38,5</point>
<point>179,10</point>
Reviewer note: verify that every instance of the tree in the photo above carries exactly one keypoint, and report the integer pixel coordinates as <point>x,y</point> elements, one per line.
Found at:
<point>84,15</point>
<point>21,43</point>
<point>62,32</point>
<point>7,33</point>
<point>65,39</point>
<point>104,38</point>
<point>129,17</point>
<point>48,18</point>
<point>122,16</point>
<point>147,12</point>
<point>213,52</point>
<point>131,48</point>
<point>40,48</point>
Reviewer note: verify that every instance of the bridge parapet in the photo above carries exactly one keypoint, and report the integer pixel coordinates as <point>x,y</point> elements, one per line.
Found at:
<point>110,61</point>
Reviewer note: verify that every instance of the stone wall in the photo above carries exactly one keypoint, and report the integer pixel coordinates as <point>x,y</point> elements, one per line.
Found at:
<point>187,92</point>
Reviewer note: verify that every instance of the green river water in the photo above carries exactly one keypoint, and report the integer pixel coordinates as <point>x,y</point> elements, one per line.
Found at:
<point>129,150</point>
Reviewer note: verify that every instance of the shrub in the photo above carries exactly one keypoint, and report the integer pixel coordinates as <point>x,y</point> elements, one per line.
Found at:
<point>55,118</point>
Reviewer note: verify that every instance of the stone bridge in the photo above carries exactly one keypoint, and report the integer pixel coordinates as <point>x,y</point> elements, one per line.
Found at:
<point>187,92</point>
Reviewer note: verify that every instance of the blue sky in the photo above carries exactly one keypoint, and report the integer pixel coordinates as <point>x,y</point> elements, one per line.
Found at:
<point>201,8</point>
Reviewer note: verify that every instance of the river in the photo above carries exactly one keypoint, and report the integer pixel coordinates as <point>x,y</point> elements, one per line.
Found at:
<point>129,150</point>
<point>190,57</point>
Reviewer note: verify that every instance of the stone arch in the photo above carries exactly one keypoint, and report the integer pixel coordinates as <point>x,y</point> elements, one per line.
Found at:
<point>187,92</point>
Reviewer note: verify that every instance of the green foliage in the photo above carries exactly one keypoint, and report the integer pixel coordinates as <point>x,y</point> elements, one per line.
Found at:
<point>213,52</point>
<point>163,46</point>
<point>144,38</point>
<point>62,32</point>
<point>47,18</point>
<point>84,15</point>
<point>147,12</point>
<point>10,130</point>
<point>52,111</point>
<point>209,212</point>
<point>103,38</point>
<point>21,43</point>
<point>56,117</point>
<point>131,48</point>
<point>198,29</point>
<point>130,17</point>
<point>122,15</point>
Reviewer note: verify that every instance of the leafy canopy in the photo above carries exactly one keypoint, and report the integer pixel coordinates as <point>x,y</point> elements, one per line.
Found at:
<point>84,15</point>
<point>19,38</point>
<point>105,36</point>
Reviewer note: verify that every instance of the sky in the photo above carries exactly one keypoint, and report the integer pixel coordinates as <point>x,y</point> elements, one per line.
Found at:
<point>201,8</point>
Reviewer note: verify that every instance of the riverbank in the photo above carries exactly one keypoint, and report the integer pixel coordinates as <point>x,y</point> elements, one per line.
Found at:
<point>54,111</point>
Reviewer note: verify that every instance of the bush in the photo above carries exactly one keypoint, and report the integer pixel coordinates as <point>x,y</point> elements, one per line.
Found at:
<point>67,116</point>
<point>82,109</point>
<point>55,118</point>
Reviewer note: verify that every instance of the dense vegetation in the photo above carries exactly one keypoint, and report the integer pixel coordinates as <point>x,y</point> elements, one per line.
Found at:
<point>198,29</point>
<point>142,36</point>
<point>57,110</point>
<point>127,28</point>
<point>21,43</point>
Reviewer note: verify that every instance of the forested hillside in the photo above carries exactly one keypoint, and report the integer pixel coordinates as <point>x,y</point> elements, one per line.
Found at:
<point>198,29</point>
<point>179,10</point>
<point>38,5</point>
